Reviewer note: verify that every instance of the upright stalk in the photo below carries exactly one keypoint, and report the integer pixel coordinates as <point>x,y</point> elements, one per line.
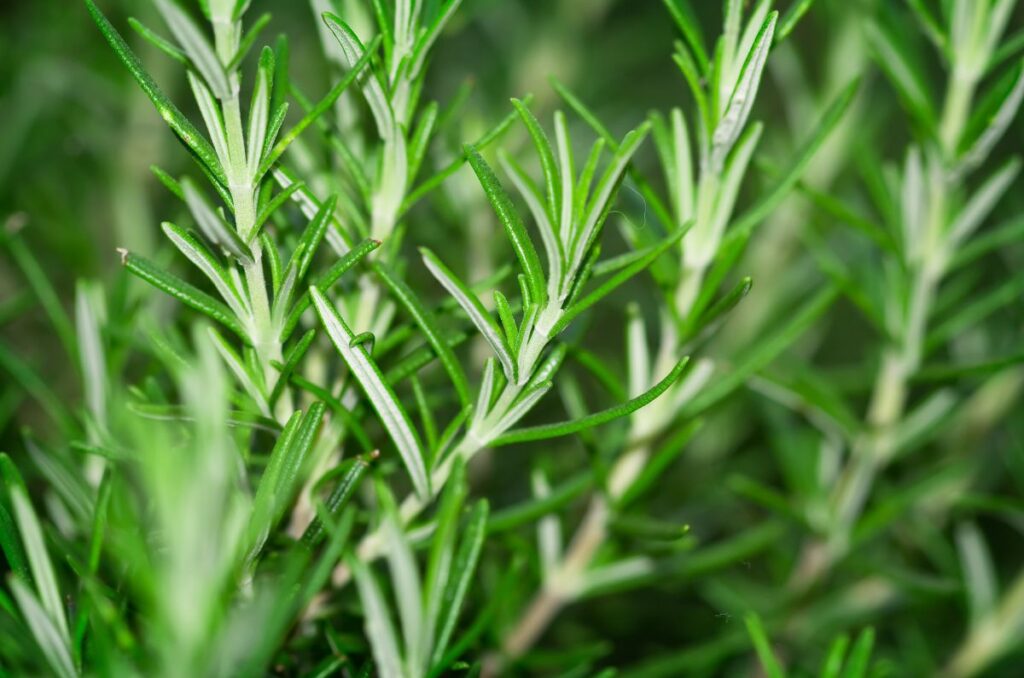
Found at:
<point>927,262</point>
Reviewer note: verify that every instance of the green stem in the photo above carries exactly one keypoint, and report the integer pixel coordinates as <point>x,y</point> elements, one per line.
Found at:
<point>956,109</point>
<point>265,336</point>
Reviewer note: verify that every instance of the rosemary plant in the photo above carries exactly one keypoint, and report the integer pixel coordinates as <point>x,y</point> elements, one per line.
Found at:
<point>331,422</point>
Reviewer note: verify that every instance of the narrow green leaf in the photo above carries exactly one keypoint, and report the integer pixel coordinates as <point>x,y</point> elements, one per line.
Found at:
<point>979,574</point>
<point>513,223</point>
<point>552,179</point>
<point>326,280</point>
<point>197,253</point>
<point>763,646</point>
<point>385,402</point>
<point>10,542</point>
<point>860,656</point>
<point>469,302</point>
<point>508,320</point>
<point>378,626</point>
<point>993,118</point>
<point>659,462</point>
<point>321,107</point>
<point>99,520</point>
<point>452,167</point>
<point>535,203</point>
<point>597,207</point>
<point>980,306</point>
<point>169,182</point>
<point>982,202</point>
<point>442,552</point>
<point>689,25</point>
<point>312,237</point>
<point>212,224</point>
<point>275,204</point>
<point>640,527</point>
<point>741,101</point>
<point>26,378</point>
<point>351,472</point>
<point>990,239</point>
<point>247,41</point>
<point>765,496</point>
<point>569,427</point>
<point>198,48</point>
<point>291,475</point>
<point>373,87</point>
<point>510,578</point>
<point>259,111</point>
<point>833,664</point>
<point>463,568</point>
<point>158,41</point>
<point>427,419</point>
<point>548,367</point>
<point>191,296</point>
<point>791,18</point>
<point>350,423</point>
<point>48,635</point>
<point>250,382</point>
<point>291,361</point>
<point>568,175</point>
<point>722,307</point>
<point>902,73</point>
<point>35,549</point>
<point>429,36</point>
<point>185,130</point>
<point>42,288</point>
<point>405,581</point>
<point>837,209</point>
<point>338,237</point>
<point>263,506</point>
<point>696,82</point>
<point>608,286</point>
<point>956,371</point>
<point>537,507</point>
<point>420,140</point>
<point>425,320</point>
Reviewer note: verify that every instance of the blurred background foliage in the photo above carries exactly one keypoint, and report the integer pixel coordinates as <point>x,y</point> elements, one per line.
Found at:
<point>77,140</point>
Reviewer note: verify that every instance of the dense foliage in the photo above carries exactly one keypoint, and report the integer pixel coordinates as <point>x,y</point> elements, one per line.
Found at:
<point>700,356</point>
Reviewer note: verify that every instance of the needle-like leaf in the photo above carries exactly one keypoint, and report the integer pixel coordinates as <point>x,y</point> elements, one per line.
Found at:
<point>469,302</point>
<point>463,567</point>
<point>741,101</point>
<point>394,417</point>
<point>759,638</point>
<point>620,277</point>
<point>198,48</point>
<point>546,431</point>
<point>185,130</point>
<point>513,223</point>
<point>379,629</point>
<point>321,107</point>
<point>35,550</point>
<point>425,320</point>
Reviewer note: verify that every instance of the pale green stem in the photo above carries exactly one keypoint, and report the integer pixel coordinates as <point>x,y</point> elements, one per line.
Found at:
<point>700,245</point>
<point>957,109</point>
<point>265,336</point>
<point>476,438</point>
<point>559,588</point>
<point>992,637</point>
<point>871,452</point>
